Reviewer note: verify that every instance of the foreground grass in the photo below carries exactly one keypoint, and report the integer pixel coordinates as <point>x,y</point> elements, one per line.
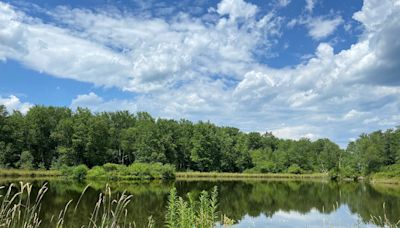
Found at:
<point>241,176</point>
<point>19,207</point>
<point>19,173</point>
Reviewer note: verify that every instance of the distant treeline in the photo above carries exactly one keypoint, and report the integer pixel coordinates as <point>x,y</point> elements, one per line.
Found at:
<point>50,137</point>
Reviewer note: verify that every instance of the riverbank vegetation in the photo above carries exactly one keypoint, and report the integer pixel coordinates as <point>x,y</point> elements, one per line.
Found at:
<point>55,137</point>
<point>22,173</point>
<point>20,207</point>
<point>109,171</point>
<point>238,176</point>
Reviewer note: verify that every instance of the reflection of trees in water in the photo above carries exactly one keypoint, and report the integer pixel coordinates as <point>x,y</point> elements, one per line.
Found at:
<point>366,200</point>
<point>255,198</point>
<point>236,198</point>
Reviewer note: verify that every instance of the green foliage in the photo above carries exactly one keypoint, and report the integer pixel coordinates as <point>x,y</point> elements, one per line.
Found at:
<point>26,160</point>
<point>143,171</point>
<point>295,169</point>
<point>348,172</point>
<point>193,213</point>
<point>77,172</point>
<point>392,171</point>
<point>57,136</point>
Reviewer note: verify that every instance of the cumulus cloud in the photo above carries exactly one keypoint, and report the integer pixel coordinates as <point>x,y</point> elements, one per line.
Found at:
<point>13,103</point>
<point>105,49</point>
<point>297,132</point>
<point>98,104</point>
<point>310,4</point>
<point>207,67</point>
<point>320,27</point>
<point>236,9</point>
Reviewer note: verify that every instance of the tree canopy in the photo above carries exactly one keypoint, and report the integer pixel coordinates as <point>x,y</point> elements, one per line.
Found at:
<point>49,137</point>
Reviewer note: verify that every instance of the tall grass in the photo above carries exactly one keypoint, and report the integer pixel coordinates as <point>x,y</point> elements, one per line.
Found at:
<point>19,208</point>
<point>384,221</point>
<point>191,213</point>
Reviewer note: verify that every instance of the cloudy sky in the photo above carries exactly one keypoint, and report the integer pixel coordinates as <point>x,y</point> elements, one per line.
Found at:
<point>298,68</point>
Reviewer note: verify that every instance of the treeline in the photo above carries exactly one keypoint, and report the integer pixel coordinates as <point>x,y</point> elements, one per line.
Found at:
<point>51,137</point>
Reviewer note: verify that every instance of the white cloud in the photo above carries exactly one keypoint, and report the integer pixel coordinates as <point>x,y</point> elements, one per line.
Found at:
<point>320,27</point>
<point>13,103</point>
<point>156,54</point>
<point>236,9</point>
<point>310,4</point>
<point>296,132</point>
<point>98,104</point>
<point>283,3</point>
<point>352,114</point>
<point>207,69</point>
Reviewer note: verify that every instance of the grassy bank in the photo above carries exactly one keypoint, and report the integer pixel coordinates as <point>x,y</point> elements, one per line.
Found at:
<point>388,175</point>
<point>242,176</point>
<point>385,180</point>
<point>148,172</point>
<point>25,173</point>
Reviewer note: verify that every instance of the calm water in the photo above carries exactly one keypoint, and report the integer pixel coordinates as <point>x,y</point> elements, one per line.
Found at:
<point>250,203</point>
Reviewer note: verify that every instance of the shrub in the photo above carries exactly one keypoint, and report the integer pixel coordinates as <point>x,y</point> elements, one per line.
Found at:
<point>295,169</point>
<point>143,171</point>
<point>348,172</point>
<point>97,172</point>
<point>168,172</point>
<point>79,172</point>
<point>26,160</point>
<point>111,167</point>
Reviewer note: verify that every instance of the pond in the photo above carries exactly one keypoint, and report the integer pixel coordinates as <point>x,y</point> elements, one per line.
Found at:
<point>249,203</point>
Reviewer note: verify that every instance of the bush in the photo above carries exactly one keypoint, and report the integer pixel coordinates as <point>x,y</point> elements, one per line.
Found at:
<point>80,172</point>
<point>142,171</point>
<point>97,172</point>
<point>168,172</point>
<point>388,172</point>
<point>111,167</point>
<point>348,172</point>
<point>26,160</point>
<point>295,169</point>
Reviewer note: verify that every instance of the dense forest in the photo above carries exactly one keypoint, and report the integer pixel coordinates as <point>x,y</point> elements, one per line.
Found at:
<point>50,137</point>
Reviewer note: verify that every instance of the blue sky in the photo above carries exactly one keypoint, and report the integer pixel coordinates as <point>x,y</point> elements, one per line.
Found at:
<point>298,68</point>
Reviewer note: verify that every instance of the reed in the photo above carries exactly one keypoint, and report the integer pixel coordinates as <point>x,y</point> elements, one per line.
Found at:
<point>383,221</point>
<point>19,208</point>
<point>192,213</point>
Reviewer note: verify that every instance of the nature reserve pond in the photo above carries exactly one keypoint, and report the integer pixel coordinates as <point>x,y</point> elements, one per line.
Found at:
<point>250,203</point>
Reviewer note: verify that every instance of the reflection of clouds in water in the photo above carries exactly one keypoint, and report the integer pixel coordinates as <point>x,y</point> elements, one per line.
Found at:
<point>342,217</point>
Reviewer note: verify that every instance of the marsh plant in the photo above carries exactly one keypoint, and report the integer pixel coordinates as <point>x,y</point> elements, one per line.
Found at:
<point>194,213</point>
<point>20,208</point>
<point>383,221</point>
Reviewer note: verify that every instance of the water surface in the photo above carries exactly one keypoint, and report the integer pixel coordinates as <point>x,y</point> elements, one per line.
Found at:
<point>249,203</point>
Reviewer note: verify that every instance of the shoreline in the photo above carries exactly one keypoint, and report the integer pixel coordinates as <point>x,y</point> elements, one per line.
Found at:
<point>23,173</point>
<point>11,174</point>
<point>248,176</point>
